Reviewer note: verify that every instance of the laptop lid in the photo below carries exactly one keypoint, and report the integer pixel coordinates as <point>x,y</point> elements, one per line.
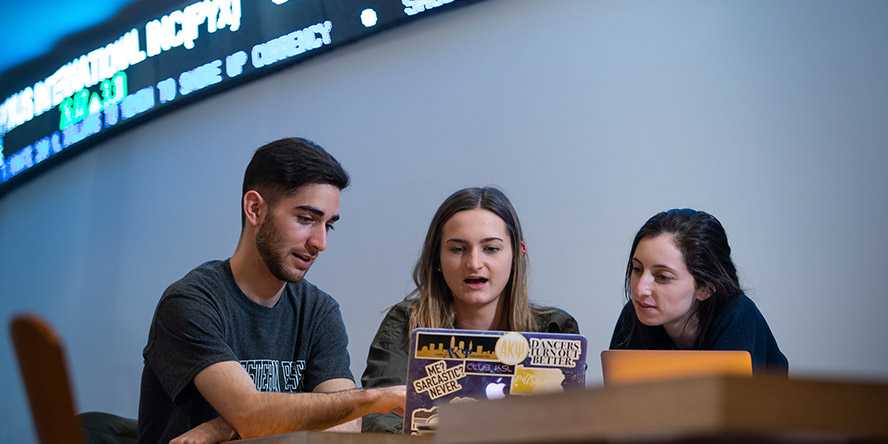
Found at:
<point>622,366</point>
<point>451,366</point>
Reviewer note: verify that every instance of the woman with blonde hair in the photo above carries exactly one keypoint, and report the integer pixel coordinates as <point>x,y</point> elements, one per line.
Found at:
<point>471,274</point>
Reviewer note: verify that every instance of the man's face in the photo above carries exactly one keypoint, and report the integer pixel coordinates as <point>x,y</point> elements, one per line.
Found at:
<point>294,230</point>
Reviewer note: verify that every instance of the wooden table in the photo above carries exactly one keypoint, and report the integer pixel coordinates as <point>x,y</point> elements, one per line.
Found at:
<point>723,409</point>
<point>708,409</point>
<point>337,438</point>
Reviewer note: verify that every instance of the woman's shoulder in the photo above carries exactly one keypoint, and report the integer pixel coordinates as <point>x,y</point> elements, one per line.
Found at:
<point>394,326</point>
<point>399,312</point>
<point>742,326</point>
<point>554,320</point>
<point>741,309</point>
<point>738,320</point>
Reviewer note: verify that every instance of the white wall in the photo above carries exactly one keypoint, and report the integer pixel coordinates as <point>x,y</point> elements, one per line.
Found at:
<point>591,115</point>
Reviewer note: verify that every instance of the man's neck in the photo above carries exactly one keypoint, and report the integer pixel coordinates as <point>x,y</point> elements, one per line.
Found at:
<point>252,276</point>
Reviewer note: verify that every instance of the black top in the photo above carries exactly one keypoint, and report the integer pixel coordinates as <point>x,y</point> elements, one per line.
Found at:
<point>204,318</point>
<point>387,359</point>
<point>739,326</point>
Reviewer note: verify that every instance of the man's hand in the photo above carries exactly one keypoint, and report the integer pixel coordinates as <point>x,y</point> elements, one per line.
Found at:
<point>389,399</point>
<point>381,400</point>
<point>210,432</point>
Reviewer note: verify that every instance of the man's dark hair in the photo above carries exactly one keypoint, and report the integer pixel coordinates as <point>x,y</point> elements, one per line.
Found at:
<point>281,167</point>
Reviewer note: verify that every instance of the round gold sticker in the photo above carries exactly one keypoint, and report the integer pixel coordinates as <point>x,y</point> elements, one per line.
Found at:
<point>511,348</point>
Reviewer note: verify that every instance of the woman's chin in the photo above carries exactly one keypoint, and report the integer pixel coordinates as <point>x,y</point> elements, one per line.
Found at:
<point>475,300</point>
<point>645,319</point>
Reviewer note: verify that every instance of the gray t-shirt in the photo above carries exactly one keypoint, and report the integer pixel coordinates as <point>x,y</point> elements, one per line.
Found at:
<point>204,318</point>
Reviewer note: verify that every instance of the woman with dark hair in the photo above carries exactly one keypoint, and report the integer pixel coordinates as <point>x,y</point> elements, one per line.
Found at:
<point>683,293</point>
<point>471,274</point>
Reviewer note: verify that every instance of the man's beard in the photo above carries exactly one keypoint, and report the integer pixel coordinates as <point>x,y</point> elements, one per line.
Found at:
<point>268,240</point>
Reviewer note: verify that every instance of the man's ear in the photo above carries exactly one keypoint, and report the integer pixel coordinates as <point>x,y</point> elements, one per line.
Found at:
<point>254,208</point>
<point>703,293</point>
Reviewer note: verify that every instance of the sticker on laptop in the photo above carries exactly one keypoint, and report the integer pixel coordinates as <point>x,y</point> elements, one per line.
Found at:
<point>475,347</point>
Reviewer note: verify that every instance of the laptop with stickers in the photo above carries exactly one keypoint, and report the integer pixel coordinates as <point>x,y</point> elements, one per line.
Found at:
<point>451,366</point>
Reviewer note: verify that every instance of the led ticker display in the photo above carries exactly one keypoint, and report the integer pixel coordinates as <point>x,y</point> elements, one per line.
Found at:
<point>76,96</point>
<point>85,102</point>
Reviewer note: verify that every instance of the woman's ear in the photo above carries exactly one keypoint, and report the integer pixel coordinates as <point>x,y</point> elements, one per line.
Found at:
<point>523,246</point>
<point>703,293</point>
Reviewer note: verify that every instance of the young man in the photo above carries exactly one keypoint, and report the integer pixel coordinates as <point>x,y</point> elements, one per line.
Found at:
<point>247,345</point>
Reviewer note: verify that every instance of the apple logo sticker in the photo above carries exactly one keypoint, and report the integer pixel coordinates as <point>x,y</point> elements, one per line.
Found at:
<point>494,390</point>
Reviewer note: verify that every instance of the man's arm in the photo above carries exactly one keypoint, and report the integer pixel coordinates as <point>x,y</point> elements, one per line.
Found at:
<point>339,385</point>
<point>211,432</point>
<point>217,430</point>
<point>229,389</point>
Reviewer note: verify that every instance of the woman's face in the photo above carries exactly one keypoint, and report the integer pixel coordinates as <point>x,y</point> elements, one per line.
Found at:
<point>663,290</point>
<point>476,257</point>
